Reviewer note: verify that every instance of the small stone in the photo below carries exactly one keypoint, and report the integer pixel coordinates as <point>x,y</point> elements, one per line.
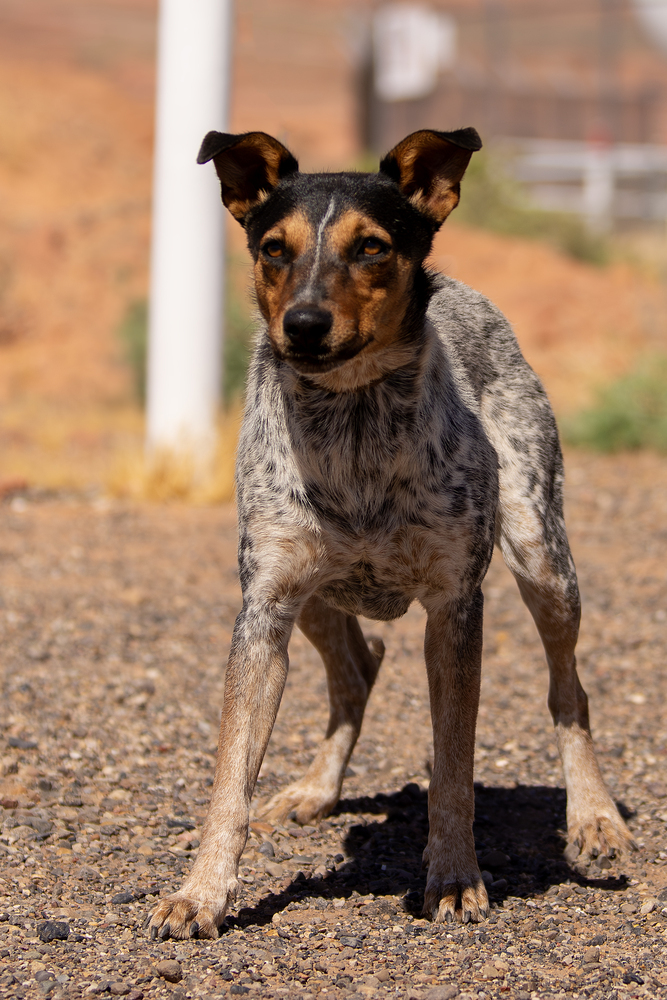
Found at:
<point>487,878</point>
<point>603,861</point>
<point>170,970</point>
<point>267,849</point>
<point>135,994</point>
<point>591,955</point>
<point>120,989</point>
<point>648,907</point>
<point>489,971</point>
<point>53,930</point>
<point>123,897</point>
<point>628,908</point>
<point>499,884</point>
<point>273,869</point>
<point>20,744</point>
<point>43,975</point>
<point>447,992</point>
<point>383,975</point>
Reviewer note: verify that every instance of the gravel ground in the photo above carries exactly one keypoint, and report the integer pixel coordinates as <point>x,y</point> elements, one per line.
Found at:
<point>115,621</point>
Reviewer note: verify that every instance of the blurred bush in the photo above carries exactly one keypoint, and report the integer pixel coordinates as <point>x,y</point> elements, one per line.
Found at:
<point>629,414</point>
<point>133,336</point>
<point>491,200</point>
<point>239,329</point>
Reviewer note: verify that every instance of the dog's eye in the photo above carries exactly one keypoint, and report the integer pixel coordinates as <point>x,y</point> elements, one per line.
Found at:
<point>372,247</point>
<point>273,249</point>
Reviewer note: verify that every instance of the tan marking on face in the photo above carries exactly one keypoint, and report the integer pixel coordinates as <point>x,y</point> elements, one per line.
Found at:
<point>275,283</point>
<point>369,297</point>
<point>366,294</point>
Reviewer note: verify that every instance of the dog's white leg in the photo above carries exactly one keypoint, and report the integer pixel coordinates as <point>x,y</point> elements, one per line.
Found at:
<point>548,585</point>
<point>594,824</point>
<point>254,683</point>
<point>453,650</point>
<point>351,671</point>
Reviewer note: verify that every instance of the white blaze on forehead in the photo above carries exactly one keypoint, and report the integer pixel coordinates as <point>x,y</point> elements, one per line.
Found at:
<point>318,244</point>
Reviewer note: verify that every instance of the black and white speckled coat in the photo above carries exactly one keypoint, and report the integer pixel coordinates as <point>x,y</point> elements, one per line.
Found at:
<point>393,432</point>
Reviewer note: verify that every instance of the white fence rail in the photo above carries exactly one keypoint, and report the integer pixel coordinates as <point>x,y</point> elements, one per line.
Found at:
<point>603,183</point>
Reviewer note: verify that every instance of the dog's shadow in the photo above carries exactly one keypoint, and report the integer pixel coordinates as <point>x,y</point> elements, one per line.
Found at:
<point>518,837</point>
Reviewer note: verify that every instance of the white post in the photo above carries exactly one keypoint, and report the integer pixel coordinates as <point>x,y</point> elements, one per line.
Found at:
<point>187,253</point>
<point>598,187</point>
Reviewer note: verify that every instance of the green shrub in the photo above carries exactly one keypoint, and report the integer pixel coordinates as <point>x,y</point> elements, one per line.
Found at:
<point>237,346</point>
<point>491,200</point>
<point>629,414</point>
<point>133,335</point>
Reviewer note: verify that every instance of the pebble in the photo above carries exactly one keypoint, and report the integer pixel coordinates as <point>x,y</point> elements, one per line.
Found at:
<point>122,989</point>
<point>53,930</point>
<point>170,969</point>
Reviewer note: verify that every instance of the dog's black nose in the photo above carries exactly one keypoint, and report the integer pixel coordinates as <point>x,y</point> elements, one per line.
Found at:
<point>306,327</point>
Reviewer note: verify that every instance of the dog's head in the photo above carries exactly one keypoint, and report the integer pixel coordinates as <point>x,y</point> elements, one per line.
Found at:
<point>339,257</point>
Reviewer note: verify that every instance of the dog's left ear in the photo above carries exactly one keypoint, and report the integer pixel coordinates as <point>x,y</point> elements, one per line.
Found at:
<point>428,167</point>
<point>249,167</point>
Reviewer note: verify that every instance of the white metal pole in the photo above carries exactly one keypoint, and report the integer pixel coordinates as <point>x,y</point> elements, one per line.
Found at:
<point>187,253</point>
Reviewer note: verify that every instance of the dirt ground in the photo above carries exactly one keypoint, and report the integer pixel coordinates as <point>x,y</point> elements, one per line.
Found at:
<point>115,622</point>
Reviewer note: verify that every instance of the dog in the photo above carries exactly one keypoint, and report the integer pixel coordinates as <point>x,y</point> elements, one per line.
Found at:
<point>393,433</point>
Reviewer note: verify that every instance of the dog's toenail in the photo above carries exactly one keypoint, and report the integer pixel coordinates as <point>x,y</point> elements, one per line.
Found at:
<point>165,931</point>
<point>194,929</point>
<point>153,933</point>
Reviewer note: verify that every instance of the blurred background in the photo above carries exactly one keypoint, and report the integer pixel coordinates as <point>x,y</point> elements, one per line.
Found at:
<point>563,218</point>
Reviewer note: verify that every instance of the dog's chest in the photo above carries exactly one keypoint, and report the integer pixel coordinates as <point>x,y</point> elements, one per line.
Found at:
<point>379,575</point>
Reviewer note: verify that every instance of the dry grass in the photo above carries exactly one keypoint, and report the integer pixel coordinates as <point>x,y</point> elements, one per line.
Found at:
<point>60,446</point>
<point>175,474</point>
<point>78,448</point>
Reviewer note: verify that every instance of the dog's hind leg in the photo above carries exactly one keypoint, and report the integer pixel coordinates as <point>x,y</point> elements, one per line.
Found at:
<point>351,668</point>
<point>536,550</point>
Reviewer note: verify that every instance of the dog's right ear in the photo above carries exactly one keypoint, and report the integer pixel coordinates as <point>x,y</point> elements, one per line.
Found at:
<point>249,167</point>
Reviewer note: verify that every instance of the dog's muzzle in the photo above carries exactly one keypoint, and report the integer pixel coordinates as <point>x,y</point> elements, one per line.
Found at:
<point>306,328</point>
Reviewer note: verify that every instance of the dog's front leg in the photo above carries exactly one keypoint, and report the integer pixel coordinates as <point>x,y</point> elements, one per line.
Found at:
<point>453,650</point>
<point>254,683</point>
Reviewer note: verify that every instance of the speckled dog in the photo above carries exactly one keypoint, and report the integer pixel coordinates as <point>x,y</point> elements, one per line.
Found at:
<point>393,432</point>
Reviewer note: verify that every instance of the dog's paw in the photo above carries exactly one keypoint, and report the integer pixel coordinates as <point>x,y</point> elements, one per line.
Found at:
<point>461,898</point>
<point>594,836</point>
<point>191,915</point>
<point>454,889</point>
<point>309,803</point>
